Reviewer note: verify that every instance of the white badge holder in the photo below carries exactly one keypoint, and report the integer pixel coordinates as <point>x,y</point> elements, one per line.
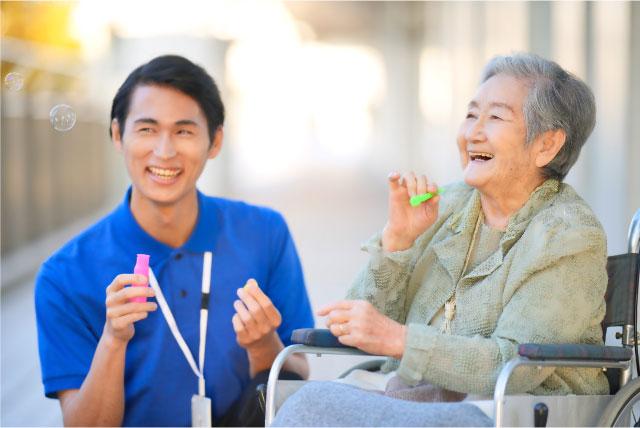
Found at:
<point>200,411</point>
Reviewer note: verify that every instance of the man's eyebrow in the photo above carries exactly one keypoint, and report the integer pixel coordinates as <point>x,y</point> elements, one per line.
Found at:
<point>146,120</point>
<point>186,122</point>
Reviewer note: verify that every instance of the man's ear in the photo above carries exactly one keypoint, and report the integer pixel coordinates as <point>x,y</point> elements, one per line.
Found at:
<point>550,143</point>
<point>116,137</point>
<point>216,144</point>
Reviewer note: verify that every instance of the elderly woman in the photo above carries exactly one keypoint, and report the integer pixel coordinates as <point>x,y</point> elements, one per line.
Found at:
<point>510,256</point>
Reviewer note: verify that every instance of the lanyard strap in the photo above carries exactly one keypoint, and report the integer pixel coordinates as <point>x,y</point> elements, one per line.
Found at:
<point>204,311</point>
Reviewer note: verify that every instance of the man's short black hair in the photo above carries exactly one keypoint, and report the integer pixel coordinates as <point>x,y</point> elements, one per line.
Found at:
<point>176,72</point>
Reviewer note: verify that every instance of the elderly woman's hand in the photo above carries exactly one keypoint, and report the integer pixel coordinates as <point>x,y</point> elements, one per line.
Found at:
<point>357,323</point>
<point>405,222</point>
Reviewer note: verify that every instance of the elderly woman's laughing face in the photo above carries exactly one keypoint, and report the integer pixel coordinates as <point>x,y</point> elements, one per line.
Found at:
<point>492,138</point>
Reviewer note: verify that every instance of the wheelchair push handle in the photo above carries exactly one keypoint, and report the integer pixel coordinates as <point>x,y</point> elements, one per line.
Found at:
<point>634,233</point>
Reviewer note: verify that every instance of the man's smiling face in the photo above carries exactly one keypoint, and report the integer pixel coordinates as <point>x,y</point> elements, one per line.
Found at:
<point>165,143</point>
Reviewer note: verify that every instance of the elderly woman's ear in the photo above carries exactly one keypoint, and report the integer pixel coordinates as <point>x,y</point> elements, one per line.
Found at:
<point>548,145</point>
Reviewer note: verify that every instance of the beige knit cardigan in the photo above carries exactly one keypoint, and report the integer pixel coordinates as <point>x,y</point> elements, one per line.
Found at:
<point>545,284</point>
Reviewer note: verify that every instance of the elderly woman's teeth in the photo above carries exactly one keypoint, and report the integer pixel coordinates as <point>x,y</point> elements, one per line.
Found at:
<point>481,156</point>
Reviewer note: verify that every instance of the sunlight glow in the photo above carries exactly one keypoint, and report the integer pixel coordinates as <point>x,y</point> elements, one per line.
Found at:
<point>436,86</point>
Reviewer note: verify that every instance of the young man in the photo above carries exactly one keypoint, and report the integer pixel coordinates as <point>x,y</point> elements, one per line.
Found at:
<point>113,361</point>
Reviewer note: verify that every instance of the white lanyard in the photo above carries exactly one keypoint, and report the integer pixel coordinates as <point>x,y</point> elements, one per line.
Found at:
<point>204,311</point>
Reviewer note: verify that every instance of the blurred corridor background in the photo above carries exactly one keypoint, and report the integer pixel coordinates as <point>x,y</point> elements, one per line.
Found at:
<point>324,99</point>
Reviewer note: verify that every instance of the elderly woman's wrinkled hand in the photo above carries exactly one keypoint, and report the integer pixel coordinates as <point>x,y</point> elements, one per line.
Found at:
<point>357,323</point>
<point>405,222</point>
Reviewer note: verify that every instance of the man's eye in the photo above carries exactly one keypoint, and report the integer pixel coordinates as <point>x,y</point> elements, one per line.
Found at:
<point>144,130</point>
<point>185,132</point>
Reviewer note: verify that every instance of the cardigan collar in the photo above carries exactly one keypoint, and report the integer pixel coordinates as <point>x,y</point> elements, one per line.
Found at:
<point>462,224</point>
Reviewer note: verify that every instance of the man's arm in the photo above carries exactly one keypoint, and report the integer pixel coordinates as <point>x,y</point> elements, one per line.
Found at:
<point>100,399</point>
<point>261,357</point>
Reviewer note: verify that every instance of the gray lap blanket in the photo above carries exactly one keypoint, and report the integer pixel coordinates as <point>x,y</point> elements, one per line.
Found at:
<point>324,404</point>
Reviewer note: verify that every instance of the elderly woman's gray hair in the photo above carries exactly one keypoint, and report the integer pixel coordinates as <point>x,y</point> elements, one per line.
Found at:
<point>556,100</point>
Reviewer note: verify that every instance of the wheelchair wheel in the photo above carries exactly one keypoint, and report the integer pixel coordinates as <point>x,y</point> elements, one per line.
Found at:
<point>624,409</point>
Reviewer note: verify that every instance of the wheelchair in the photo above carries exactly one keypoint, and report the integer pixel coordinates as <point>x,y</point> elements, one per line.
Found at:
<point>620,408</point>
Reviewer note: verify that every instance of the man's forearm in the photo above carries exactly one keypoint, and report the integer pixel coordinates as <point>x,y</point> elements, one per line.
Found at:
<point>261,358</point>
<point>297,363</point>
<point>100,399</point>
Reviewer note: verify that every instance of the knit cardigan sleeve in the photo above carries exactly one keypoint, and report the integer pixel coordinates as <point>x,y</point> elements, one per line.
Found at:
<point>384,279</point>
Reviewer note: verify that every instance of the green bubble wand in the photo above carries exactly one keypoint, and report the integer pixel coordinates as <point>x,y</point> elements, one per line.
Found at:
<point>424,197</point>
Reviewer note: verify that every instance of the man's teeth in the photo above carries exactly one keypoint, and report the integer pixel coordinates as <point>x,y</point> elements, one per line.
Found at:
<point>480,156</point>
<point>165,173</point>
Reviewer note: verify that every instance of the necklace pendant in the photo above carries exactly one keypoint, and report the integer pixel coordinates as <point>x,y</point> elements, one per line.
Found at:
<point>450,309</point>
<point>449,313</point>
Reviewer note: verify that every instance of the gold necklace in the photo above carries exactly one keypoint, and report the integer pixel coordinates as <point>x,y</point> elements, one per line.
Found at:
<point>450,305</point>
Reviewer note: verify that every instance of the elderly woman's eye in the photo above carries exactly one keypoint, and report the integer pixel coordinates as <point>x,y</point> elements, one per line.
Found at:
<point>493,116</point>
<point>470,115</point>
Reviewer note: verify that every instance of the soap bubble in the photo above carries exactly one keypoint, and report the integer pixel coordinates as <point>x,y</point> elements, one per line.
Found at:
<point>14,81</point>
<point>62,117</point>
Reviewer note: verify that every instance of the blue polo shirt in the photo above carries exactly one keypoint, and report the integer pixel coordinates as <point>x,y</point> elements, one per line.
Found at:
<point>246,242</point>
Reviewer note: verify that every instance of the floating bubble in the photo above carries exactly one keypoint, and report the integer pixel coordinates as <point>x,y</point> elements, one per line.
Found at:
<point>14,81</point>
<point>62,117</point>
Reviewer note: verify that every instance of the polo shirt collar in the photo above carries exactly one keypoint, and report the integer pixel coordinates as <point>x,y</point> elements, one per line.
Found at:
<point>203,238</point>
<point>208,226</point>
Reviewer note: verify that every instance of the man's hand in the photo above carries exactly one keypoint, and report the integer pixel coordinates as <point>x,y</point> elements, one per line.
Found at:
<point>255,323</point>
<point>256,318</point>
<point>121,312</point>
<point>405,222</point>
<point>357,323</point>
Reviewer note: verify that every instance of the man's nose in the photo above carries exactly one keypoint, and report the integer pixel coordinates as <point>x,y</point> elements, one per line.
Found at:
<point>164,148</point>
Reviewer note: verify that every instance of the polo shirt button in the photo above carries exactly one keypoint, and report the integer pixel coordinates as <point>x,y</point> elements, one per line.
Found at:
<point>178,256</point>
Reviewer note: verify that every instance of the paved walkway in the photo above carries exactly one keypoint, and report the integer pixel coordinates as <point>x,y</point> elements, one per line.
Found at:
<point>23,402</point>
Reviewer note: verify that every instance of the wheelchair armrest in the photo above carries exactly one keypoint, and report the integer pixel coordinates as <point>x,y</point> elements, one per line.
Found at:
<point>565,355</point>
<point>319,337</point>
<point>569,352</point>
